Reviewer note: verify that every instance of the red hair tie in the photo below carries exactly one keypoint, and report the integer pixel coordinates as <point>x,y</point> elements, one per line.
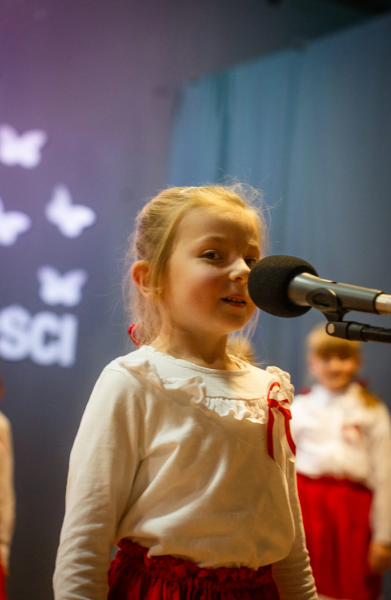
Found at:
<point>132,330</point>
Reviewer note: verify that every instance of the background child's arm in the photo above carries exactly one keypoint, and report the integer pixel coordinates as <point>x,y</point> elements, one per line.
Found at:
<point>380,451</point>
<point>379,557</point>
<point>293,574</point>
<point>7,496</point>
<point>103,463</point>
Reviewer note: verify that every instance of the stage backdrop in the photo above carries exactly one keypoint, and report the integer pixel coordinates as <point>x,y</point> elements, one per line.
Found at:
<point>311,127</point>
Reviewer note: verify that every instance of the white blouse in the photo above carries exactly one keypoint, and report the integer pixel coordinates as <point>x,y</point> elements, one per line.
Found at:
<point>337,434</point>
<point>174,456</point>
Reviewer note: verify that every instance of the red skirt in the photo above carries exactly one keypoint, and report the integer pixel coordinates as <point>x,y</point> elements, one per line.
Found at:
<point>2,584</point>
<point>336,523</point>
<point>135,576</point>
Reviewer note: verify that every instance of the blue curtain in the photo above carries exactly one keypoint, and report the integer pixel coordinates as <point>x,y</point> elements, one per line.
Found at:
<point>311,127</point>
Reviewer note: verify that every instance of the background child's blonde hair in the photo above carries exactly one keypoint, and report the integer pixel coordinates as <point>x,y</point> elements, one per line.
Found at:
<point>319,343</point>
<point>155,234</point>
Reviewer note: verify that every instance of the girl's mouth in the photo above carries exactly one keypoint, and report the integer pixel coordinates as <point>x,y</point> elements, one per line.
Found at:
<point>234,301</point>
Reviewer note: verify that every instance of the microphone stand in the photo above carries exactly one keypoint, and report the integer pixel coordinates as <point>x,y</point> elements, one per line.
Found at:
<point>327,302</point>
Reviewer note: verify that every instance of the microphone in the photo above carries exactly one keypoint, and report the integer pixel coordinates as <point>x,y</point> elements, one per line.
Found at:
<point>286,286</point>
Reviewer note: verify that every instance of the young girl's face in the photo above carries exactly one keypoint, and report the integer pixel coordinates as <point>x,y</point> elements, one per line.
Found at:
<point>332,371</point>
<point>205,288</point>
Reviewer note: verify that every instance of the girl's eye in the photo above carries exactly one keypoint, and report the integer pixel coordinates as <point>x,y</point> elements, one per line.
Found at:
<point>212,255</point>
<point>250,262</point>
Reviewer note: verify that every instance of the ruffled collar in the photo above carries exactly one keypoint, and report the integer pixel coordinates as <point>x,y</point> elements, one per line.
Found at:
<point>253,408</point>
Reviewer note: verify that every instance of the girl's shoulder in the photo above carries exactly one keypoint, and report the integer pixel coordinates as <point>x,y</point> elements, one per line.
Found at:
<point>123,378</point>
<point>150,369</point>
<point>125,384</point>
<point>310,401</point>
<point>137,367</point>
<point>123,364</point>
<point>272,375</point>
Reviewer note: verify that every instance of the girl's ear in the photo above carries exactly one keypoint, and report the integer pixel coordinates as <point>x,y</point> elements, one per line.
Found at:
<point>140,276</point>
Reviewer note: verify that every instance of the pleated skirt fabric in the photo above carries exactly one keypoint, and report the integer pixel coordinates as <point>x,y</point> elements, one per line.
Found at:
<point>2,584</point>
<point>336,523</point>
<point>135,576</point>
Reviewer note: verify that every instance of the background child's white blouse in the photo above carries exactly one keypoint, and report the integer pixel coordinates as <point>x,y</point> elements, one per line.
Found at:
<point>175,456</point>
<point>337,434</point>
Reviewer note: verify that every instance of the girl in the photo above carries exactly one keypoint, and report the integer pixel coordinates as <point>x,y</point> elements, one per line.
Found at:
<point>184,456</point>
<point>343,438</point>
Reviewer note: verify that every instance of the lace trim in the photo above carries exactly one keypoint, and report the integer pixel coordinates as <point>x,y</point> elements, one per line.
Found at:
<point>255,409</point>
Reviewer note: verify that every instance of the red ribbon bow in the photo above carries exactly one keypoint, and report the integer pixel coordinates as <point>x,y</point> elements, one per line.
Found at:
<point>278,406</point>
<point>132,329</point>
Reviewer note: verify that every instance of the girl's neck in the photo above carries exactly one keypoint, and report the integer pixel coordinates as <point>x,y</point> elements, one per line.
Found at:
<point>212,356</point>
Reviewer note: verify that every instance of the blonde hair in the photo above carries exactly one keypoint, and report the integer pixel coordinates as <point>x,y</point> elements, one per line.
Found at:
<point>154,237</point>
<point>320,343</point>
<point>242,348</point>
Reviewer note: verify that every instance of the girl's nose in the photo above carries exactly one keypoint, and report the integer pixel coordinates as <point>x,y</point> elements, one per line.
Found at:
<point>335,363</point>
<point>239,270</point>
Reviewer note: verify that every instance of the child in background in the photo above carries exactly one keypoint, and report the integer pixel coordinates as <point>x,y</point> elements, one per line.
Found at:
<point>184,456</point>
<point>343,438</point>
<point>7,497</point>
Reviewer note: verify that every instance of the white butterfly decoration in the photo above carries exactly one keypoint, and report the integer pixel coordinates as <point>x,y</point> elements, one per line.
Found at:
<point>24,149</point>
<point>61,289</point>
<point>70,218</point>
<point>12,224</point>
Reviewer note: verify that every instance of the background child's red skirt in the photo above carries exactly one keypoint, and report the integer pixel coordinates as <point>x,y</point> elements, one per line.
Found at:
<point>2,584</point>
<point>336,523</point>
<point>135,576</point>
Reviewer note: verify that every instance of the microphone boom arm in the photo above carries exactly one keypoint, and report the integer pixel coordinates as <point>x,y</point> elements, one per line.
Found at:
<point>350,330</point>
<point>326,301</point>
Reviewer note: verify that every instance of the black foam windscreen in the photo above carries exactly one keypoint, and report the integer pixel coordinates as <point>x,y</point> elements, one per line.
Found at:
<point>268,284</point>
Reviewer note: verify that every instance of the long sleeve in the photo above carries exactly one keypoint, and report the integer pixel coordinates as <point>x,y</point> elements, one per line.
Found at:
<point>293,574</point>
<point>7,496</point>
<point>103,463</point>
<point>380,454</point>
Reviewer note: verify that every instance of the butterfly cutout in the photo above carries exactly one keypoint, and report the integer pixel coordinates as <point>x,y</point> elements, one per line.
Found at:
<point>24,149</point>
<point>61,289</point>
<point>70,218</point>
<point>12,224</point>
